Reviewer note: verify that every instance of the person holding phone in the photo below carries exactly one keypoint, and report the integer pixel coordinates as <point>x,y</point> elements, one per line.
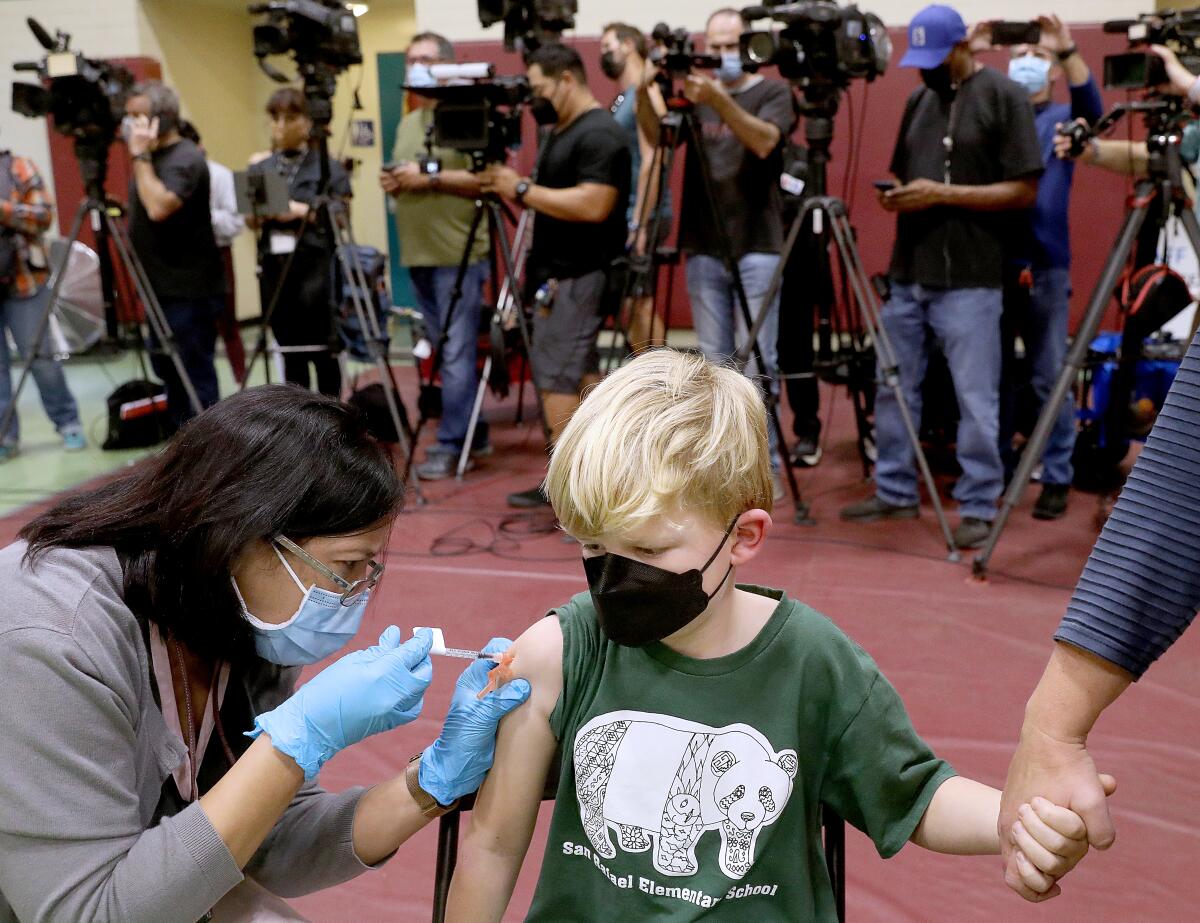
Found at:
<point>954,203</point>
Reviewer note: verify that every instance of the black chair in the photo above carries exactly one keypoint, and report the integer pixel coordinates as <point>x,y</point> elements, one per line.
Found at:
<point>447,850</point>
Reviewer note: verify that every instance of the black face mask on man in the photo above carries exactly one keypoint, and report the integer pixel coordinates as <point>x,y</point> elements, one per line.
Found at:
<point>639,603</point>
<point>543,111</point>
<point>612,67</point>
<point>938,79</point>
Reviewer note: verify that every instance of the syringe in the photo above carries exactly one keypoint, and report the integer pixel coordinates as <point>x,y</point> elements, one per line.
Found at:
<point>439,648</point>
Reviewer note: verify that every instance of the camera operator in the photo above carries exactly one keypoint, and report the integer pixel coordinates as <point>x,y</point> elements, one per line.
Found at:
<point>170,226</point>
<point>303,318</point>
<point>579,197</point>
<point>967,157</point>
<point>637,109</point>
<point>26,214</point>
<point>1037,296</point>
<point>227,224</point>
<point>745,120</point>
<point>1131,157</point>
<point>434,212</point>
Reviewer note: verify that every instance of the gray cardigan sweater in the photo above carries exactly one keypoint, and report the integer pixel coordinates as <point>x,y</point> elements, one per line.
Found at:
<point>87,829</point>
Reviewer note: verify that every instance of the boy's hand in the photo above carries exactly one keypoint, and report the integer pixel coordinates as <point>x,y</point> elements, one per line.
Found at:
<point>1050,841</point>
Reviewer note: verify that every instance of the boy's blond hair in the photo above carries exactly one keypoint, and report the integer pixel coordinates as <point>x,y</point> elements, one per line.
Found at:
<point>669,428</point>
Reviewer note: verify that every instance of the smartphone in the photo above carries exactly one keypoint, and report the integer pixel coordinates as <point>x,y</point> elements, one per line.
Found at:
<point>885,185</point>
<point>1016,33</point>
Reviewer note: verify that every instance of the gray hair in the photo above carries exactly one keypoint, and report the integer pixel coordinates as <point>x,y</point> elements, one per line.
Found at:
<point>445,49</point>
<point>163,100</point>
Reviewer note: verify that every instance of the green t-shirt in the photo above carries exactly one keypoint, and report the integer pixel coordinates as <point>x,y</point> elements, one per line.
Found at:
<point>433,226</point>
<point>692,789</point>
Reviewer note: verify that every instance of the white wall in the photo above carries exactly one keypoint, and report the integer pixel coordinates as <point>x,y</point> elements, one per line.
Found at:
<point>457,19</point>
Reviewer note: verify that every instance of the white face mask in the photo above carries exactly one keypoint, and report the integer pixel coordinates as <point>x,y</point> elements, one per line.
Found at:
<point>319,627</point>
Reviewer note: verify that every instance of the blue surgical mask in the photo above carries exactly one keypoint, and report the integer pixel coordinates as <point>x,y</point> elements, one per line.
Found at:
<point>1032,73</point>
<point>420,77</point>
<point>320,626</point>
<point>730,70</point>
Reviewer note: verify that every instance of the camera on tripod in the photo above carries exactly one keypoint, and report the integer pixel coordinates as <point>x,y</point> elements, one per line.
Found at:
<point>529,23</point>
<point>85,97</point>
<point>477,112</point>
<point>675,53</point>
<point>320,33</point>
<point>1140,70</point>
<point>819,43</point>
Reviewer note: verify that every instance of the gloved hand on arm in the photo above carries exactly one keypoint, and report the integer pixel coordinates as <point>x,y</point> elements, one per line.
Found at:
<point>455,764</point>
<point>361,694</point>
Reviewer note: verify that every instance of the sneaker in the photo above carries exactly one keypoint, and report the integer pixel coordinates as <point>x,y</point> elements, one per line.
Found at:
<point>873,509</point>
<point>528,499</point>
<point>482,451</point>
<point>1052,502</point>
<point>972,532</point>
<point>8,450</point>
<point>73,438</point>
<point>806,453</point>
<point>440,465</point>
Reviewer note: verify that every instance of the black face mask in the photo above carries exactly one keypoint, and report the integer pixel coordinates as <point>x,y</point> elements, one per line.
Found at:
<point>611,66</point>
<point>938,79</point>
<point>543,111</point>
<point>638,603</point>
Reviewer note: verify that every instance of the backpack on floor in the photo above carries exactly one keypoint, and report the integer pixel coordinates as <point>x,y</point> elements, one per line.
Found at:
<point>137,416</point>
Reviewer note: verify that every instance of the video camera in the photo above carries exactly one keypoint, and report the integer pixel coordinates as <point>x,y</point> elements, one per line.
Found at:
<point>477,113</point>
<point>321,33</point>
<point>675,53</point>
<point>85,97</point>
<point>1140,70</point>
<point>528,24</point>
<point>819,43</point>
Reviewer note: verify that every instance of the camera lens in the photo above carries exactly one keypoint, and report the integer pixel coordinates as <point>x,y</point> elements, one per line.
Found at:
<point>760,47</point>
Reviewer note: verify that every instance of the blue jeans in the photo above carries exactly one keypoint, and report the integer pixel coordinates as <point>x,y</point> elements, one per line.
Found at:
<point>1045,337</point>
<point>720,326</point>
<point>21,317</point>
<point>434,287</point>
<point>966,325</point>
<point>193,323</point>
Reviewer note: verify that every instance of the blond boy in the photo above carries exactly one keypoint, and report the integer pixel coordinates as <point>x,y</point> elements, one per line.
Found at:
<point>702,724</point>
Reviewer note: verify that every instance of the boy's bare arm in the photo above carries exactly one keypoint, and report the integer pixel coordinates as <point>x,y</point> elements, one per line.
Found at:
<point>498,830</point>
<point>961,819</point>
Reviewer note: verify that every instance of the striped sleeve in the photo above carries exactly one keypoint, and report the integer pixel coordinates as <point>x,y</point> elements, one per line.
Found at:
<point>1140,587</point>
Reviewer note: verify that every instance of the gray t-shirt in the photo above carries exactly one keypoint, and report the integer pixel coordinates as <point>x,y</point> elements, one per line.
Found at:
<point>88,827</point>
<point>746,190</point>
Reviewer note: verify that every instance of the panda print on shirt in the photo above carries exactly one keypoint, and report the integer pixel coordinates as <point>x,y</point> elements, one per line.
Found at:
<point>660,783</point>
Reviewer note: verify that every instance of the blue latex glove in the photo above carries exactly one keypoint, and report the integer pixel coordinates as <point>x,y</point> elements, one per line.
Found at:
<point>361,694</point>
<point>456,763</point>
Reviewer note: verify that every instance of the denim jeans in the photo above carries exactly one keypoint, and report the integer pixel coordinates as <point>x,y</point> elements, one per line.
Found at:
<point>193,323</point>
<point>720,326</point>
<point>1045,337</point>
<point>21,317</point>
<point>966,325</point>
<point>434,287</point>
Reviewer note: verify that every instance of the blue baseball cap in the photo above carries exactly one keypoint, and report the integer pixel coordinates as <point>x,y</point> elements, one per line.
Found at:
<point>932,35</point>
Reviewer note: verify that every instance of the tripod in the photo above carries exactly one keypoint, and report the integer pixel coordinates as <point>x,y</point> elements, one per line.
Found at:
<point>320,82</point>
<point>829,221</point>
<point>93,165</point>
<point>1163,184</point>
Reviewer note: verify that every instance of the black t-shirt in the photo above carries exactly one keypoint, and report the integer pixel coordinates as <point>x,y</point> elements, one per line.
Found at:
<point>303,173</point>
<point>748,202</point>
<point>592,149</point>
<point>180,253</point>
<point>994,140</point>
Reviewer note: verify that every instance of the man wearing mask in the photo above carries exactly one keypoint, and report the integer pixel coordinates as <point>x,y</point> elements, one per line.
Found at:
<point>744,120</point>
<point>637,109</point>
<point>579,198</point>
<point>433,219</point>
<point>170,226</point>
<point>967,157</point>
<point>1040,304</point>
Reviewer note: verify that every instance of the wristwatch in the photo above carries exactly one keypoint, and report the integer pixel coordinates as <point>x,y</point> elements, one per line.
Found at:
<point>429,805</point>
<point>1067,53</point>
<point>144,157</point>
<point>522,188</point>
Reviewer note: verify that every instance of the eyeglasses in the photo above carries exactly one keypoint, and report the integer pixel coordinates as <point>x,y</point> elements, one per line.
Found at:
<point>349,589</point>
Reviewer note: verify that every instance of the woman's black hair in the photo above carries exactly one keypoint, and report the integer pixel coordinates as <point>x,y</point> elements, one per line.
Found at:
<point>272,460</point>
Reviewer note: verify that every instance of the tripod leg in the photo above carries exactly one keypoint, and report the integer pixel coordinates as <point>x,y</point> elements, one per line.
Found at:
<point>57,275</point>
<point>154,312</point>
<point>1076,357</point>
<point>886,356</point>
